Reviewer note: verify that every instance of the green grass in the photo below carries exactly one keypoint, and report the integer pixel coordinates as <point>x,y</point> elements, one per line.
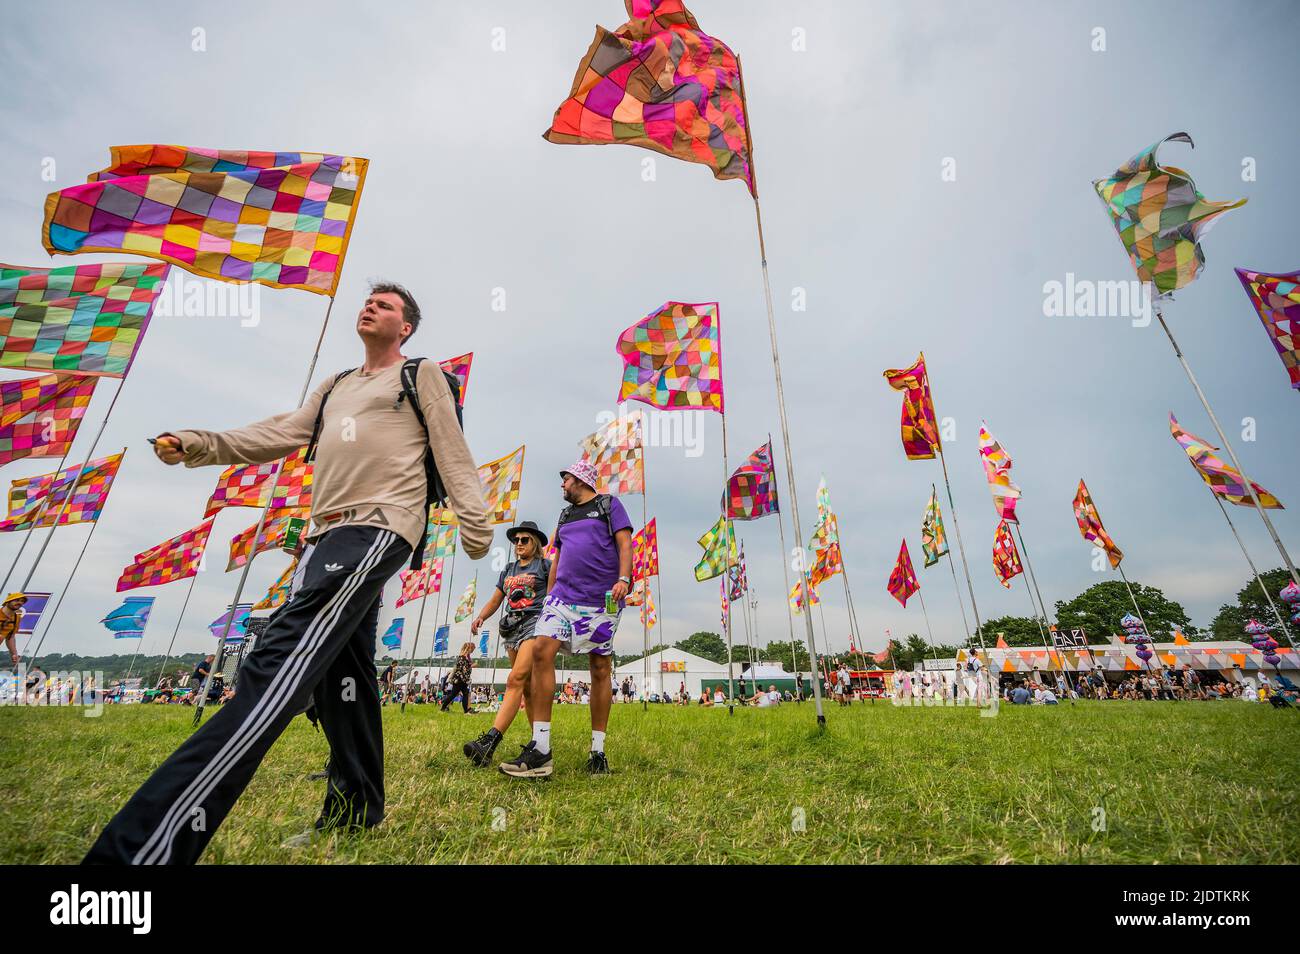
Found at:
<point>1180,782</point>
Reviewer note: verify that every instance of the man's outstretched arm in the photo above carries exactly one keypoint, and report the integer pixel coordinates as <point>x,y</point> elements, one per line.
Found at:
<point>258,443</point>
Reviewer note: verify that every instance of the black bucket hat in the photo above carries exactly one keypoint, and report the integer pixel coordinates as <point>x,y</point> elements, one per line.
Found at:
<point>527,527</point>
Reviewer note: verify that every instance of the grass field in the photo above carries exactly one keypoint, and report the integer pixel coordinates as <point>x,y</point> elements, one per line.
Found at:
<point>1179,782</point>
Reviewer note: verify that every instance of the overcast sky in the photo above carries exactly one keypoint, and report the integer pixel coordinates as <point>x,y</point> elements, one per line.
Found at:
<point>851,135</point>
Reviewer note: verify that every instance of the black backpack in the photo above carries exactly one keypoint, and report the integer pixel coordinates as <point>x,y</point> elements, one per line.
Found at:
<point>435,492</point>
<point>603,505</point>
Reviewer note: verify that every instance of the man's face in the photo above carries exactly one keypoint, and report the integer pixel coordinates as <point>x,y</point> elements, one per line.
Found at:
<point>381,318</point>
<point>572,488</point>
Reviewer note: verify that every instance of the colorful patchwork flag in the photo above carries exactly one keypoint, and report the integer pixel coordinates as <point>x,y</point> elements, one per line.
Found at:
<point>796,597</point>
<point>39,501</point>
<point>739,585</point>
<point>87,319</point>
<point>751,490</point>
<point>1006,559</point>
<point>39,416</point>
<point>238,616</point>
<point>271,537</point>
<point>444,544</point>
<point>672,358</point>
<point>278,591</point>
<point>934,543</point>
<point>129,619</point>
<point>726,604</point>
<point>467,600</point>
<point>551,552</point>
<point>420,583</point>
<point>829,561</point>
<point>1160,217</point>
<point>997,468</point>
<point>1277,302</point>
<point>392,638</point>
<point>902,581</point>
<point>458,368</point>
<point>174,559</point>
<point>827,531</point>
<point>245,485</point>
<point>716,558</point>
<point>1222,478</point>
<point>617,451</point>
<point>919,428</point>
<point>645,552</point>
<point>661,83</point>
<point>636,593</point>
<point>1085,512</point>
<point>501,480</point>
<point>279,218</point>
<point>648,616</point>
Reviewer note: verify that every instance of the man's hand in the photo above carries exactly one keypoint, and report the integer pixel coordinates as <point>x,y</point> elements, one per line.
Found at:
<point>474,626</point>
<point>168,449</point>
<point>620,591</point>
<point>14,659</point>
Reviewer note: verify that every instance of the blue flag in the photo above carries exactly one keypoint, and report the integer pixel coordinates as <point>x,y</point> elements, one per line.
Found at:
<point>482,644</point>
<point>440,638</point>
<point>32,610</point>
<point>392,639</point>
<point>129,619</point>
<point>238,628</point>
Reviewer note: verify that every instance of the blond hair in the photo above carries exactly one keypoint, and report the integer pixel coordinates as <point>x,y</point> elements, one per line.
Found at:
<point>467,649</point>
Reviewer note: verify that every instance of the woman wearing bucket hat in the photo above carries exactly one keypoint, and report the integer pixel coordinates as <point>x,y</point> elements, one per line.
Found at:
<point>11,611</point>
<point>522,586</point>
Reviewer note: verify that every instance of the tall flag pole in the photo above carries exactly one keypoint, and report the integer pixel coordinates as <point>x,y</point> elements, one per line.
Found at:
<point>27,535</point>
<point>1281,622</point>
<point>934,546</point>
<point>785,576</point>
<point>1160,216</point>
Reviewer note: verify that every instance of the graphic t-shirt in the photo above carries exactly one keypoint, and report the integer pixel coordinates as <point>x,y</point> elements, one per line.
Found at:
<point>588,555</point>
<point>523,587</point>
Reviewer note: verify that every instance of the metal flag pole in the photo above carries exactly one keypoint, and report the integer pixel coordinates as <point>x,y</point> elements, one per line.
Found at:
<point>780,391</point>
<point>926,613</point>
<point>415,644</point>
<point>785,575</point>
<point>1132,597</point>
<point>645,594</point>
<point>1052,648</point>
<point>1268,596</point>
<point>272,479</point>
<point>961,547</point>
<point>177,628</point>
<point>4,587</point>
<point>726,567</point>
<point>1227,445</point>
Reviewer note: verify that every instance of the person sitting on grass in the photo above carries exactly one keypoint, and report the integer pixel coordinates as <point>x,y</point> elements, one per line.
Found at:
<point>719,697</point>
<point>704,698</point>
<point>1020,695</point>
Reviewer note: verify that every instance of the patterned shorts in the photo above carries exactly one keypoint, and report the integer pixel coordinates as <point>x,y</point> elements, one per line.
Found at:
<point>583,629</point>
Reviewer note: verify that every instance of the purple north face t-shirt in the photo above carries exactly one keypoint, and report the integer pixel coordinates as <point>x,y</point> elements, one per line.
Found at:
<point>588,562</point>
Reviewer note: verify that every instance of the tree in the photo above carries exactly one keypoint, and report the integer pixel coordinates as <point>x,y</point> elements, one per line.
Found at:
<point>1100,607</point>
<point>1016,630</point>
<point>708,645</point>
<point>1251,604</point>
<point>779,652</point>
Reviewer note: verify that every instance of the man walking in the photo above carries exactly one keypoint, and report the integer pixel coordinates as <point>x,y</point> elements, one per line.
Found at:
<point>377,467</point>
<point>588,582</point>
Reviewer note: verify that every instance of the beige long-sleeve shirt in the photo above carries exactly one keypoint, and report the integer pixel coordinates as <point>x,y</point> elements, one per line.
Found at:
<point>369,468</point>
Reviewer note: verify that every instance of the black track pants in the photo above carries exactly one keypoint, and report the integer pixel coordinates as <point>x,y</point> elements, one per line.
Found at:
<point>319,647</point>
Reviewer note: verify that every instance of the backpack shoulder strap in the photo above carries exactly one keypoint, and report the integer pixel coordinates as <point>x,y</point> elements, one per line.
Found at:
<point>320,415</point>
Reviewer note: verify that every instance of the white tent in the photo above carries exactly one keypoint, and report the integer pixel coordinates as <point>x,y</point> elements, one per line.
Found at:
<point>669,668</point>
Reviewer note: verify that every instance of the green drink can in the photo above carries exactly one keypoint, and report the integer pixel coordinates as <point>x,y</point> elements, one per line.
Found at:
<point>611,605</point>
<point>293,534</point>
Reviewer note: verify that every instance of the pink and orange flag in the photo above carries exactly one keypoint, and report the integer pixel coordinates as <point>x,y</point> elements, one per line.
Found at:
<point>271,537</point>
<point>902,582</point>
<point>919,429</point>
<point>645,552</point>
<point>997,468</point>
<point>174,559</point>
<point>751,490</point>
<point>278,591</point>
<point>1006,558</point>
<point>672,358</point>
<point>661,83</point>
<point>245,485</point>
<point>39,416</point>
<point>458,368</point>
<point>1277,302</point>
<point>39,501</point>
<point>1085,512</point>
<point>617,451</point>
<point>1222,478</point>
<point>420,583</point>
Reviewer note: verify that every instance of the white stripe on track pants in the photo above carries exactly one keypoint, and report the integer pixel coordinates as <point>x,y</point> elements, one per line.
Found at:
<point>323,637</point>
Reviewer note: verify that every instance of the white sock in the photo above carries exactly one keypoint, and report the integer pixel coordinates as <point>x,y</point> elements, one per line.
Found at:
<point>597,741</point>
<point>542,737</point>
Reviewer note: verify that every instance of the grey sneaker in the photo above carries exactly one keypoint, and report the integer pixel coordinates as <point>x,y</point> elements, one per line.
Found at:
<point>529,764</point>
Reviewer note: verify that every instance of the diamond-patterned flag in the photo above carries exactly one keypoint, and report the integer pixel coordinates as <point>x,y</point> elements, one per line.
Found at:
<point>997,468</point>
<point>920,432</point>
<point>420,583</point>
<point>458,368</point>
<point>245,485</point>
<point>751,490</point>
<point>934,543</point>
<point>739,583</point>
<point>726,604</point>
<point>648,616</point>
<point>796,597</point>
<point>87,319</point>
<point>661,83</point>
<point>174,559</point>
<point>902,581</point>
<point>392,638</point>
<point>444,544</point>
<point>1006,558</point>
<point>128,620</point>
<point>645,552</point>
<point>272,536</point>
<point>501,481</point>
<point>39,417</point>
<point>672,358</point>
<point>1277,302</point>
<point>467,600</point>
<point>1160,217</point>
<point>279,218</point>
<point>715,560</point>
<point>636,593</point>
<point>38,501</point>
<point>278,591</point>
<point>1222,478</point>
<point>827,531</point>
<point>1085,512</point>
<point>617,451</point>
<point>828,562</point>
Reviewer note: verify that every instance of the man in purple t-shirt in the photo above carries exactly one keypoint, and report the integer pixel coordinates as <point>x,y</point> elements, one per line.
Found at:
<point>588,582</point>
